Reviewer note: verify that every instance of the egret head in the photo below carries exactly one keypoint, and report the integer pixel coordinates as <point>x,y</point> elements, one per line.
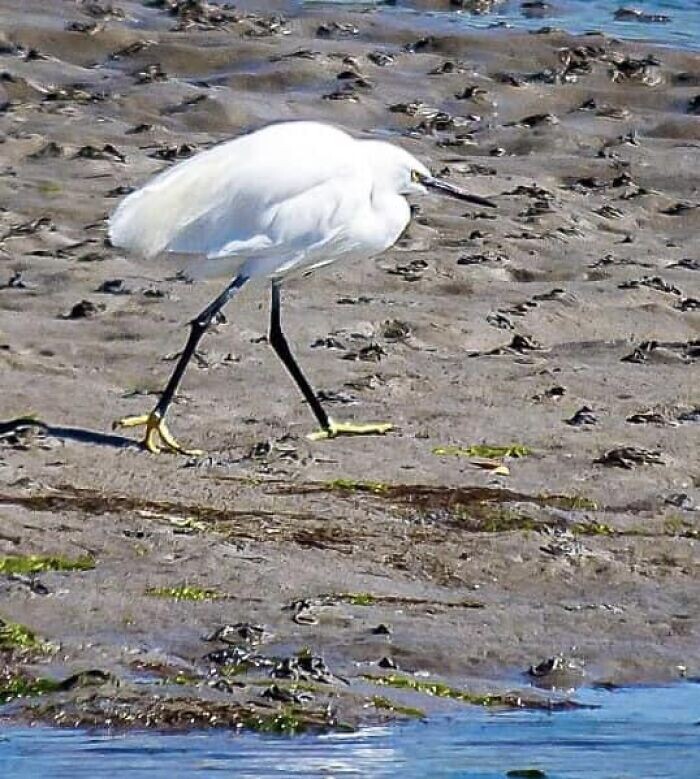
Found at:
<point>402,172</point>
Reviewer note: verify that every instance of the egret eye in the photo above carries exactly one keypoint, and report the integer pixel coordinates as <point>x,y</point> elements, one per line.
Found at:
<point>416,176</point>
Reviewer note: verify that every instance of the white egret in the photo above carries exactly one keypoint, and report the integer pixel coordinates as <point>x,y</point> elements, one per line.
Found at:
<point>288,198</point>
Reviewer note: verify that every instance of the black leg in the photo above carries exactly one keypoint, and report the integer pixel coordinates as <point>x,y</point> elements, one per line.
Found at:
<point>279,343</point>
<point>198,327</point>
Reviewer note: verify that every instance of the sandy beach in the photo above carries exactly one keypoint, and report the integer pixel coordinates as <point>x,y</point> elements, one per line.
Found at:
<point>531,524</point>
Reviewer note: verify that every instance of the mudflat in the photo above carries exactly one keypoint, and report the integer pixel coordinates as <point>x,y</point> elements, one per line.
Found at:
<point>531,524</point>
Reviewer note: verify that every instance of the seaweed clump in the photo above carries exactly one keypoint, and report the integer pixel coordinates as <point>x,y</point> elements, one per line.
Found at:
<point>510,700</point>
<point>29,564</point>
<point>483,450</point>
<point>185,592</point>
<point>17,637</point>
<point>125,708</point>
<point>380,702</point>
<point>351,485</point>
<point>19,686</point>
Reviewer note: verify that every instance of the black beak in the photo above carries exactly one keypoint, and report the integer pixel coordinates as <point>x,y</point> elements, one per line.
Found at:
<point>451,189</point>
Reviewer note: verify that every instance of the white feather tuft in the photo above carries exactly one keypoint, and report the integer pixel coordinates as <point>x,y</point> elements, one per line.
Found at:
<point>291,194</point>
<point>147,221</point>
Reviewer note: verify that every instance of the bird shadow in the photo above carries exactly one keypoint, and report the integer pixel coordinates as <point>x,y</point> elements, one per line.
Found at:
<point>82,435</point>
<point>79,435</point>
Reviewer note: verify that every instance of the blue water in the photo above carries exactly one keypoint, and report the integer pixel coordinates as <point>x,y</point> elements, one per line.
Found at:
<point>577,16</point>
<point>637,733</point>
<point>683,29</point>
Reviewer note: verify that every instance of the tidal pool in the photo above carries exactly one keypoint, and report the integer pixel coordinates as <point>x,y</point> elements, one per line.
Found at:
<point>634,733</point>
<point>680,28</point>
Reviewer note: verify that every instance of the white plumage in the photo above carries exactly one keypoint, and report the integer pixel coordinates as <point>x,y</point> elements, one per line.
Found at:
<point>292,195</point>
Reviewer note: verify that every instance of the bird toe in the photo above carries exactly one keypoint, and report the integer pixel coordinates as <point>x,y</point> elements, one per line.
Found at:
<point>336,429</point>
<point>158,437</point>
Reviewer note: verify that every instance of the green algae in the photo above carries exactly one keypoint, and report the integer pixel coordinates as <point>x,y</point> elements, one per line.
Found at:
<point>129,708</point>
<point>358,598</point>
<point>489,518</point>
<point>498,519</point>
<point>98,503</point>
<point>593,529</point>
<point>185,592</point>
<point>675,525</point>
<point>679,527</point>
<point>292,720</point>
<point>18,686</point>
<point>28,564</point>
<point>288,721</point>
<point>569,502</point>
<point>231,670</point>
<point>183,679</point>
<point>373,599</point>
<point>186,525</point>
<point>300,686</point>
<point>350,485</point>
<point>23,687</point>
<point>379,702</point>
<point>509,700</point>
<point>14,636</point>
<point>440,690</point>
<point>483,450</point>
<point>480,509</point>
<point>49,187</point>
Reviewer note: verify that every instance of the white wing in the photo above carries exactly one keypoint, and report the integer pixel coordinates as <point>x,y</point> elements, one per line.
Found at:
<point>275,192</point>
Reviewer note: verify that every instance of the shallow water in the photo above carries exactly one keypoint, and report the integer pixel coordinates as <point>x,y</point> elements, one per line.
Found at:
<point>577,16</point>
<point>636,732</point>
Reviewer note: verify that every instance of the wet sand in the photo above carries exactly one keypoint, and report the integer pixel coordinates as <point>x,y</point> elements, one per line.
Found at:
<point>567,325</point>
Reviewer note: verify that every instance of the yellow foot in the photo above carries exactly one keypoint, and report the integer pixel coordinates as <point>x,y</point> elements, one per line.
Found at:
<point>158,437</point>
<point>350,428</point>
